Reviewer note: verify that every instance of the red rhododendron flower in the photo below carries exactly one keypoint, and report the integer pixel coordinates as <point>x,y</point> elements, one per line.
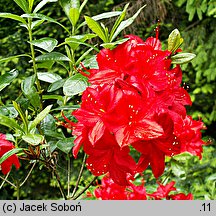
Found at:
<point>181,196</point>
<point>6,146</point>
<point>136,101</point>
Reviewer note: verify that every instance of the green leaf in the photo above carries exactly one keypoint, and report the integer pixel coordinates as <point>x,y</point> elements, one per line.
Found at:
<point>33,139</point>
<point>66,144</point>
<point>71,107</point>
<point>113,44</point>
<point>13,16</point>
<point>56,97</point>
<point>23,5</point>
<point>31,2</point>
<point>6,155</point>
<point>56,85</point>
<point>48,77</point>
<point>46,18</point>
<point>182,58</point>
<point>53,56</point>
<point>22,115</point>
<point>124,24</point>
<point>30,91</point>
<point>8,111</point>
<point>13,57</point>
<point>74,16</point>
<point>106,15</point>
<point>96,28</point>
<point>118,21</point>
<point>46,43</point>
<point>7,78</point>
<point>178,169</point>
<point>41,4</point>
<point>82,5</point>
<point>73,41</point>
<point>10,123</point>
<point>40,117</point>
<point>174,40</point>
<point>91,62</point>
<point>75,85</point>
<point>182,157</point>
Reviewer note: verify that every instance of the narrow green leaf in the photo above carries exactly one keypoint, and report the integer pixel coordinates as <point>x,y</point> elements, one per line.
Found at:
<point>118,21</point>
<point>33,139</point>
<point>73,41</point>
<point>66,144</point>
<point>106,15</point>
<point>13,16</point>
<point>96,28</point>
<point>23,5</point>
<point>53,56</point>
<point>56,97</point>
<point>7,78</point>
<point>46,43</point>
<point>124,24</point>
<point>40,117</point>
<point>75,85</point>
<point>71,107</point>
<point>82,5</point>
<point>183,156</point>
<point>43,17</point>
<point>48,77</point>
<point>74,16</point>
<point>91,62</point>
<point>41,4</point>
<point>182,58</point>
<point>178,169</point>
<point>56,85</point>
<point>13,57</point>
<point>6,155</point>
<point>10,123</point>
<point>83,56</point>
<point>68,4</point>
<point>174,40</point>
<point>113,44</point>
<point>22,115</point>
<point>31,2</point>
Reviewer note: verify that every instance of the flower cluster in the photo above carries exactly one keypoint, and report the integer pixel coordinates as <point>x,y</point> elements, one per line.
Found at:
<point>109,190</point>
<point>6,146</point>
<point>135,101</point>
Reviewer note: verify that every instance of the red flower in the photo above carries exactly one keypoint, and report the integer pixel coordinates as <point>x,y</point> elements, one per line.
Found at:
<point>6,146</point>
<point>181,196</point>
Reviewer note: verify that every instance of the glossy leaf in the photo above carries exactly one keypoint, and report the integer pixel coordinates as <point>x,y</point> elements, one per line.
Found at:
<point>10,153</point>
<point>30,91</point>
<point>40,117</point>
<point>113,44</point>
<point>66,144</point>
<point>75,85</point>
<point>174,40</point>
<point>31,2</point>
<point>13,57</point>
<point>106,15</point>
<point>68,4</point>
<point>183,156</point>
<point>82,5</point>
<point>178,169</point>
<point>46,43</point>
<point>9,111</point>
<point>13,16</point>
<point>10,123</point>
<point>22,115</point>
<point>48,77</point>
<point>96,28</point>
<point>53,56</point>
<point>41,4</point>
<point>74,15</point>
<point>182,58</point>
<point>56,97</point>
<point>33,139</point>
<point>118,21</point>
<point>7,78</point>
<point>56,85</point>
<point>23,5</point>
<point>124,24</point>
<point>43,17</point>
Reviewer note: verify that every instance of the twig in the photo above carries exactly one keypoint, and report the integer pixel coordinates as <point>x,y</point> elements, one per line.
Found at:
<point>79,177</point>
<point>5,180</point>
<point>86,188</point>
<point>26,178</point>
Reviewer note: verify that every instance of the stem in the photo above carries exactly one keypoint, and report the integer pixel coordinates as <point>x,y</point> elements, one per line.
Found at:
<point>29,173</point>
<point>68,175</point>
<point>60,185</point>
<point>33,55</point>
<point>81,192</point>
<point>80,175</point>
<point>18,190</point>
<point>5,180</point>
